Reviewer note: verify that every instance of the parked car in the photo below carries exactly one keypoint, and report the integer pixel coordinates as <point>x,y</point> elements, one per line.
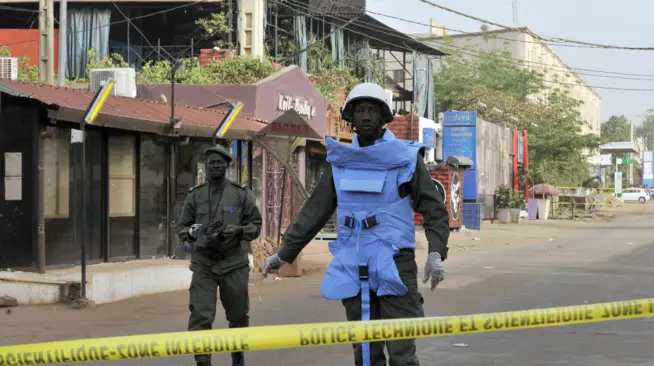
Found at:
<point>635,194</point>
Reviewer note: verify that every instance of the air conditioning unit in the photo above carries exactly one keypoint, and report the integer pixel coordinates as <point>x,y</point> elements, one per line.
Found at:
<point>8,68</point>
<point>125,81</point>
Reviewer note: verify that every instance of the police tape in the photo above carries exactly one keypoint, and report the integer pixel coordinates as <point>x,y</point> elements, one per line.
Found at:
<point>311,335</point>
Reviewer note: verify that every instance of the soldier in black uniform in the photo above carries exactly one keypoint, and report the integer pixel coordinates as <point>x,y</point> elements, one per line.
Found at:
<point>216,216</point>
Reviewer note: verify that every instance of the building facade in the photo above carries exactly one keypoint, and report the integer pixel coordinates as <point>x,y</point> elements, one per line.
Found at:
<point>525,48</point>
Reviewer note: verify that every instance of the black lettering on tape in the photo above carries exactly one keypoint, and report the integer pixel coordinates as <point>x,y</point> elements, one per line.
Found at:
<point>651,306</point>
<point>488,321</point>
<point>467,324</point>
<point>366,333</point>
<point>245,345</point>
<point>387,331</point>
<point>376,332</point>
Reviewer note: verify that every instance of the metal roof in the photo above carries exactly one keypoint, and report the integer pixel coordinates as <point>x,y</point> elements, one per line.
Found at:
<point>128,113</point>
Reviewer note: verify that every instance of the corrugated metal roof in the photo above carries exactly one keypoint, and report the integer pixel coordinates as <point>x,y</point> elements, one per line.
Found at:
<point>122,107</point>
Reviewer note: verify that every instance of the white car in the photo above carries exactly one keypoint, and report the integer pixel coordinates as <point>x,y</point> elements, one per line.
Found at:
<point>634,194</point>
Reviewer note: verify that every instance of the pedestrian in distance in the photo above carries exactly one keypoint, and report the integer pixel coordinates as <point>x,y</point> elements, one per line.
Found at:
<point>216,216</point>
<point>375,185</point>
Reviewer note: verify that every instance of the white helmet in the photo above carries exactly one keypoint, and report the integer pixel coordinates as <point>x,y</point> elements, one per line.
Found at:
<point>367,91</point>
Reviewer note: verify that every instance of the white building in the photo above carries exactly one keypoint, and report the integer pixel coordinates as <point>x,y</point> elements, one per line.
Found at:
<point>522,45</point>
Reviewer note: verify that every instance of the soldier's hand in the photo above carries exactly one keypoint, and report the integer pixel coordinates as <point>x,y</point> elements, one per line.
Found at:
<point>194,230</point>
<point>272,264</point>
<point>233,230</point>
<point>434,268</point>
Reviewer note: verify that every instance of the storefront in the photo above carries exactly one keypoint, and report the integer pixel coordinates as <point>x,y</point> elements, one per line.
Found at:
<point>266,100</point>
<point>130,151</point>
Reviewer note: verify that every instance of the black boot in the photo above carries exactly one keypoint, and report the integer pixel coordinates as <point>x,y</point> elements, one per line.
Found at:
<point>238,359</point>
<point>204,363</point>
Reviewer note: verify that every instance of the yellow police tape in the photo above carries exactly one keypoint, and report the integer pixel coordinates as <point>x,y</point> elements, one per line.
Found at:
<point>308,335</point>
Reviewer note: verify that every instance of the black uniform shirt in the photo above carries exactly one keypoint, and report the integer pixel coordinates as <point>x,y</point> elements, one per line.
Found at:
<point>320,206</point>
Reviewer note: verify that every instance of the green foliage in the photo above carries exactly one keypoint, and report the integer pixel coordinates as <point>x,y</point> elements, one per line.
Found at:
<point>363,60</point>
<point>460,75</point>
<point>215,26</point>
<point>237,70</point>
<point>508,198</point>
<point>499,88</point>
<point>26,72</point>
<point>616,129</point>
<point>645,131</point>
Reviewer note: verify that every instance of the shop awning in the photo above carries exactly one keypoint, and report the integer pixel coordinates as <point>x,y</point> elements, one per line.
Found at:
<point>131,114</point>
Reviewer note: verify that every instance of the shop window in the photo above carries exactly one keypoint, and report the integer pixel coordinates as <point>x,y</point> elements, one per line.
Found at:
<point>57,174</point>
<point>152,198</point>
<point>257,175</point>
<point>56,201</point>
<point>60,205</point>
<point>190,172</point>
<point>122,195</point>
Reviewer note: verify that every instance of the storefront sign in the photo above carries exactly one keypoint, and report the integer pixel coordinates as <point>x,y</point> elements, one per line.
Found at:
<point>460,139</point>
<point>302,107</point>
<point>289,129</point>
<point>290,124</point>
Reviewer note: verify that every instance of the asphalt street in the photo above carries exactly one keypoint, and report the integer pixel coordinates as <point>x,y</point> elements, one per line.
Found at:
<point>609,263</point>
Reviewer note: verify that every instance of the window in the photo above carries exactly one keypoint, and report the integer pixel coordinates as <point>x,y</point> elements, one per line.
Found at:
<point>122,195</point>
<point>61,241</point>
<point>398,76</point>
<point>122,176</point>
<point>152,192</point>
<point>57,174</point>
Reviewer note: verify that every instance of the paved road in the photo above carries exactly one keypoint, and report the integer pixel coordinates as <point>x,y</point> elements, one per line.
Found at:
<point>614,262</point>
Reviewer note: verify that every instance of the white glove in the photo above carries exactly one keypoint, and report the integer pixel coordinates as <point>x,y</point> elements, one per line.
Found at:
<point>434,268</point>
<point>193,231</point>
<point>272,264</point>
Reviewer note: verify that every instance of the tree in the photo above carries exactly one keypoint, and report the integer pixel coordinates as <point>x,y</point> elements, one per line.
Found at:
<point>461,75</point>
<point>502,91</point>
<point>616,129</point>
<point>645,132</point>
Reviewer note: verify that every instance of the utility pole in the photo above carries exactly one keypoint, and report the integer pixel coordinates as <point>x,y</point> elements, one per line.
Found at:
<point>46,41</point>
<point>63,19</point>
<point>515,13</point>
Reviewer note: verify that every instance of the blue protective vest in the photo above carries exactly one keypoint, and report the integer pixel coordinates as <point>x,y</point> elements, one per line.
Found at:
<point>374,222</point>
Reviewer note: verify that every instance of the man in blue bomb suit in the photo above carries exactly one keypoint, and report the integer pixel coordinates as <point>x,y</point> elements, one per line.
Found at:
<point>375,183</point>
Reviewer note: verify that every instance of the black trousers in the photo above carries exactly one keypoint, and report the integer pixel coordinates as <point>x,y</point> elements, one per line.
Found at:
<point>401,352</point>
<point>234,296</point>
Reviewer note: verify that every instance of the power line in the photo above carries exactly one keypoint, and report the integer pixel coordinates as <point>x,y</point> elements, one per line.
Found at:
<point>509,40</point>
<point>121,21</point>
<point>372,26</point>
<point>545,66</point>
<point>551,39</point>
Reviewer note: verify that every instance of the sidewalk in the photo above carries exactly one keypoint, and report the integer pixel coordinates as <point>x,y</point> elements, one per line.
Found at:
<point>110,282</point>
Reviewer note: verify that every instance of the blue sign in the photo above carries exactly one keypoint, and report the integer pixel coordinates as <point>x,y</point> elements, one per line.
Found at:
<point>460,139</point>
<point>459,119</point>
<point>429,137</point>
